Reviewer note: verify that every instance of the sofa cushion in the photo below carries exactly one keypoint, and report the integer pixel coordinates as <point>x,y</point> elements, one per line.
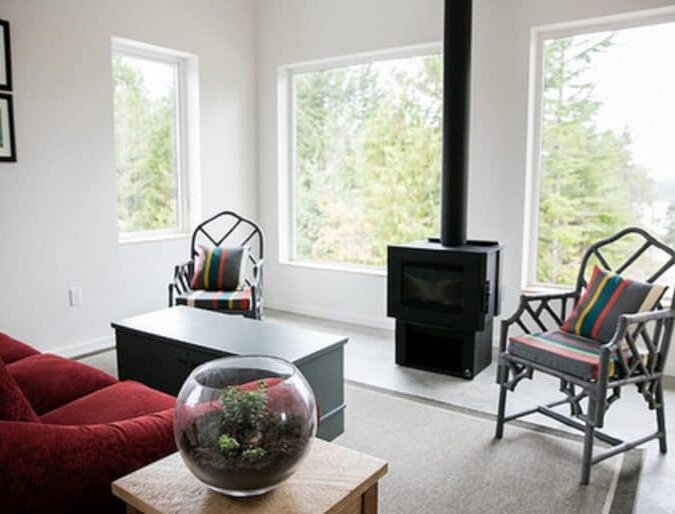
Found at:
<point>607,296</point>
<point>49,469</point>
<point>12,350</point>
<point>13,404</point>
<point>49,381</point>
<point>217,300</point>
<point>124,400</point>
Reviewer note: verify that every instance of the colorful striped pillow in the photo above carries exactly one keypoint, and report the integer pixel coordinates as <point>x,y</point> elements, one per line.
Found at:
<point>607,296</point>
<point>221,268</point>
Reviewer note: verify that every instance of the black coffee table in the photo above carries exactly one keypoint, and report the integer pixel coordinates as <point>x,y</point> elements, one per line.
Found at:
<point>161,348</point>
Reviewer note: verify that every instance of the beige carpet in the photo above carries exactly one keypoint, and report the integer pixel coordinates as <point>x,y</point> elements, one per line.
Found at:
<point>444,459</point>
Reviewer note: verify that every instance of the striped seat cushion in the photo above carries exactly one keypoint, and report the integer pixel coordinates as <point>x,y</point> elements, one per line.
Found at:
<point>562,351</point>
<point>217,300</point>
<point>607,296</point>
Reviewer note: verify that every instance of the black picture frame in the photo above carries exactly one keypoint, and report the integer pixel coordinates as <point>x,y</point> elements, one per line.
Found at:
<point>11,157</point>
<point>5,41</point>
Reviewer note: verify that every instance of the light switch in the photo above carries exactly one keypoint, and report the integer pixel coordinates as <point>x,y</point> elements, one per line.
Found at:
<point>75,296</point>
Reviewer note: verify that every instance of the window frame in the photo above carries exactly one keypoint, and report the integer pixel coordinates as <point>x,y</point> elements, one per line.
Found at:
<point>538,36</point>
<point>287,148</point>
<point>181,60</point>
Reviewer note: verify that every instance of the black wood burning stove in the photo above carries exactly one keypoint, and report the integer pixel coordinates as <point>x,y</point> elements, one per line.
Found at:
<point>445,292</point>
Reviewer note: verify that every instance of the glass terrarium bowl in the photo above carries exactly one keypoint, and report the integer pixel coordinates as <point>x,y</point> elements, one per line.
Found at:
<point>243,424</point>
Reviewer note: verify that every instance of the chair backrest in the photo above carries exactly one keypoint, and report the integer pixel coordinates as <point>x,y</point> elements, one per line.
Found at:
<point>632,248</point>
<point>228,228</point>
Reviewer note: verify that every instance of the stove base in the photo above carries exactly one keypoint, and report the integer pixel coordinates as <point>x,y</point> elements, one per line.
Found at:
<point>444,350</point>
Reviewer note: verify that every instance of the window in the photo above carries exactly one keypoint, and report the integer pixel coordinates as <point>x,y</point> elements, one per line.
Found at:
<point>365,156</point>
<point>149,141</point>
<point>604,158</point>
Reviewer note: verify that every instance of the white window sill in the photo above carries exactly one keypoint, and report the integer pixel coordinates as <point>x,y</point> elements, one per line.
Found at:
<point>546,288</point>
<point>339,268</point>
<point>132,239</point>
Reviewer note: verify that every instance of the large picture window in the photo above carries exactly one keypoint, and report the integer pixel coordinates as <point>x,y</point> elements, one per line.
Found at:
<point>366,157</point>
<point>148,117</point>
<point>604,156</point>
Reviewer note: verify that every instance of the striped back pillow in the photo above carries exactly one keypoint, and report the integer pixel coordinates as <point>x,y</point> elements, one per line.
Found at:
<point>607,296</point>
<point>221,268</point>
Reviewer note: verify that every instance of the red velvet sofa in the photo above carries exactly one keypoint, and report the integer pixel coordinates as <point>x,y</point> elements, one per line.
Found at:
<point>68,430</point>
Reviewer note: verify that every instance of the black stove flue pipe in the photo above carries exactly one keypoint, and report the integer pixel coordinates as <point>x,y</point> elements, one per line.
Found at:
<point>456,100</point>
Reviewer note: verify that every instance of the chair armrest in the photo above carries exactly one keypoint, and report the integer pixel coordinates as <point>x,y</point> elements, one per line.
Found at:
<point>184,268</point>
<point>182,279</point>
<point>557,295</point>
<point>59,468</point>
<point>257,274</point>
<point>625,340</point>
<point>626,320</point>
<point>525,307</point>
<point>527,298</point>
<point>643,317</point>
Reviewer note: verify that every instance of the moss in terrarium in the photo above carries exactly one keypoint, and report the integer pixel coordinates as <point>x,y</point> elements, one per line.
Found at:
<point>227,444</point>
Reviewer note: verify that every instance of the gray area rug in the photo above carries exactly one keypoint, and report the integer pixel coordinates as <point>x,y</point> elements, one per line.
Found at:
<point>443,459</point>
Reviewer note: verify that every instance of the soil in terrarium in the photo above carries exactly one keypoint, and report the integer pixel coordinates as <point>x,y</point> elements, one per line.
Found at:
<point>244,445</point>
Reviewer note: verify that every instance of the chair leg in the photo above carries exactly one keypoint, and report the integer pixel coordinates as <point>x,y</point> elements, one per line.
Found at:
<point>499,433</point>
<point>588,453</point>
<point>661,418</point>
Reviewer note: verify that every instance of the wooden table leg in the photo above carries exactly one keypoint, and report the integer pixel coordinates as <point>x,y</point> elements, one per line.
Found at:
<point>369,500</point>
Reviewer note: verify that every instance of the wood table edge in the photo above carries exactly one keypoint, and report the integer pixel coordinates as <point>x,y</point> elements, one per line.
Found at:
<point>132,501</point>
<point>363,487</point>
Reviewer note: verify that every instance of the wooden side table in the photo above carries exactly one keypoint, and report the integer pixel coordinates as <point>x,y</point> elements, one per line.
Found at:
<point>332,479</point>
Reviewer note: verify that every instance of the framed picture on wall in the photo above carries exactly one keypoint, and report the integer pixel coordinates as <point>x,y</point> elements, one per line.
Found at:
<point>5,57</point>
<point>7,143</point>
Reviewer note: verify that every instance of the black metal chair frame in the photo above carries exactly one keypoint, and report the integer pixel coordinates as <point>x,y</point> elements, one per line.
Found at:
<point>183,273</point>
<point>654,329</point>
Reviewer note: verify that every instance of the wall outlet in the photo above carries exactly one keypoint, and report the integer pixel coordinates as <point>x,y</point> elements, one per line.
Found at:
<point>75,296</point>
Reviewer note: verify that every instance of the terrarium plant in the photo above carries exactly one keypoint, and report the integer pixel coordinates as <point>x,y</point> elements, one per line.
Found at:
<point>246,437</point>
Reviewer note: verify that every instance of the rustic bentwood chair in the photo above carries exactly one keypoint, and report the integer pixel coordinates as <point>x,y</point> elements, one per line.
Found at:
<point>635,355</point>
<point>226,228</point>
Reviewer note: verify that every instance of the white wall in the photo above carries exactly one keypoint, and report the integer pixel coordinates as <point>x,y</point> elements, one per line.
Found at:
<point>57,203</point>
<point>294,31</point>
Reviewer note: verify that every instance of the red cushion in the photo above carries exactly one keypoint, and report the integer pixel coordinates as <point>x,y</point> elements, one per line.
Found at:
<point>124,400</point>
<point>12,350</point>
<point>49,381</point>
<point>280,397</point>
<point>68,469</point>
<point>13,404</point>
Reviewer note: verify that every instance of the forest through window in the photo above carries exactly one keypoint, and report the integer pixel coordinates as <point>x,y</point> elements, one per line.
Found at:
<point>367,158</point>
<point>607,153</point>
<point>147,144</point>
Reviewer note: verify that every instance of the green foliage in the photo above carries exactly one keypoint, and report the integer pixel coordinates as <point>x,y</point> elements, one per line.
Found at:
<point>244,412</point>
<point>244,422</point>
<point>227,443</point>
<point>253,455</point>
<point>144,153</point>
<point>590,187</point>
<point>368,159</point>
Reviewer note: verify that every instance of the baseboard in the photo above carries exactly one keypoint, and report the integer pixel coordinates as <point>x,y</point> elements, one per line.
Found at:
<point>344,317</point>
<point>669,381</point>
<point>77,350</point>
